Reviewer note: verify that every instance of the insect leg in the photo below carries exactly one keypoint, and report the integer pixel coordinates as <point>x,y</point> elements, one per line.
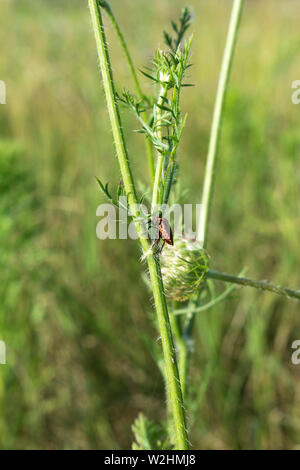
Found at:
<point>164,242</point>
<point>155,241</point>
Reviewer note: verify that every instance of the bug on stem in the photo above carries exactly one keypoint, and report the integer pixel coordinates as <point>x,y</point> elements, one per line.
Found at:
<point>163,231</point>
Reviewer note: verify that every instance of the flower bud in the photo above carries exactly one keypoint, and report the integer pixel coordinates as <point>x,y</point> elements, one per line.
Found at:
<point>184,267</point>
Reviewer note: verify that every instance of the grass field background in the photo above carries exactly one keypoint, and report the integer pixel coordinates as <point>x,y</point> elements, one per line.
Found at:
<point>74,312</point>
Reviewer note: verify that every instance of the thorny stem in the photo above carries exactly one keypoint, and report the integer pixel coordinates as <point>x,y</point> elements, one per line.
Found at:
<point>172,374</point>
<point>244,281</point>
<point>217,118</point>
<point>137,85</point>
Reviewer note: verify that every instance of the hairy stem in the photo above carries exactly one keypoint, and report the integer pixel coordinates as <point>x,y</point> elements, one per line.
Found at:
<point>157,189</point>
<point>182,352</point>
<point>217,118</point>
<point>244,281</point>
<point>137,85</point>
<point>153,264</point>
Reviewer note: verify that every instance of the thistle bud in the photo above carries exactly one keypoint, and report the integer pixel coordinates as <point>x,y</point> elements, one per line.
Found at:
<point>184,267</point>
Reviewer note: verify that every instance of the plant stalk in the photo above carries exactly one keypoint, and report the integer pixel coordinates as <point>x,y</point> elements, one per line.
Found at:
<point>137,85</point>
<point>217,119</point>
<point>182,351</point>
<point>156,196</point>
<point>153,263</point>
<point>244,281</point>
<point>207,306</point>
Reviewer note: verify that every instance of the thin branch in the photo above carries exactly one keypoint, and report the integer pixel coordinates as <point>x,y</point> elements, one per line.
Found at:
<point>157,187</point>
<point>217,118</point>
<point>262,285</point>
<point>208,305</point>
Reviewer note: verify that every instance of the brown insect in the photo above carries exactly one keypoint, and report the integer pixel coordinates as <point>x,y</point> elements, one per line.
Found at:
<point>164,231</point>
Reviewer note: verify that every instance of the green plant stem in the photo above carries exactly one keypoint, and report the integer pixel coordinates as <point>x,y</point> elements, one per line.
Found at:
<point>156,196</point>
<point>182,351</point>
<point>235,280</point>
<point>183,336</point>
<point>137,85</point>
<point>217,118</point>
<point>244,281</point>
<point>153,264</point>
<point>208,305</point>
<point>151,170</point>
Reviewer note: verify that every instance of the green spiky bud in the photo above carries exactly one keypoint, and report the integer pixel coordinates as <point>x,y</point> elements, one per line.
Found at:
<point>184,267</point>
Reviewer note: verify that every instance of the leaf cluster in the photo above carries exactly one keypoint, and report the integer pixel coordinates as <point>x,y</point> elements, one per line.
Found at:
<point>179,29</point>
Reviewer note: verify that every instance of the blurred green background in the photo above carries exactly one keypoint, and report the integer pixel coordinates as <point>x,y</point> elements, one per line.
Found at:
<point>74,312</point>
